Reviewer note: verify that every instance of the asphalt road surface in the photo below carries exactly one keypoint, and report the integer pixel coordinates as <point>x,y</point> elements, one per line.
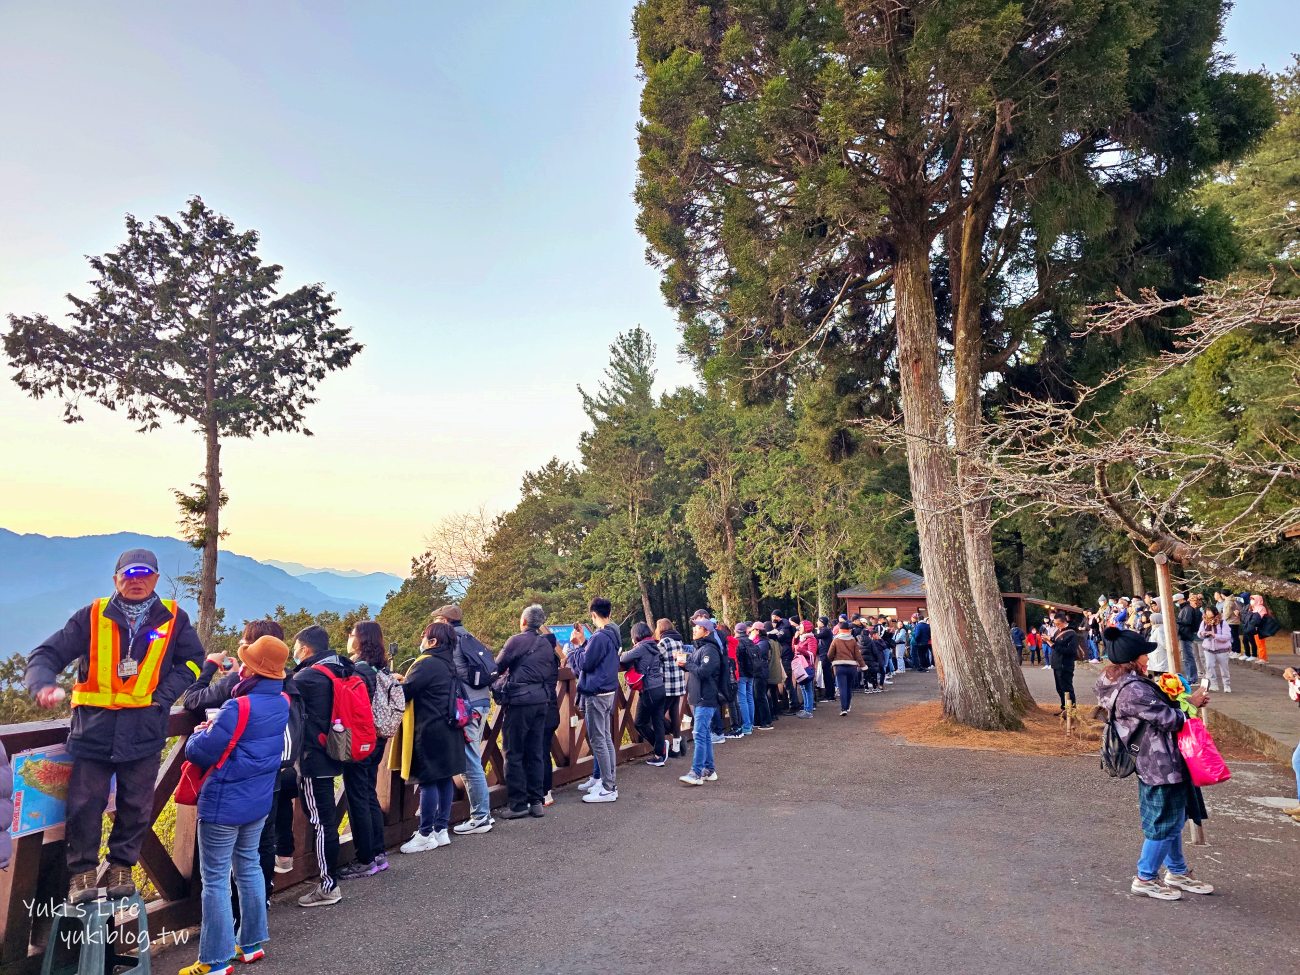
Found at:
<point>824,848</point>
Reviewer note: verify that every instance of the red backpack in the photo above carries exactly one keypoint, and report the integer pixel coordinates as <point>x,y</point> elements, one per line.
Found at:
<point>352,735</point>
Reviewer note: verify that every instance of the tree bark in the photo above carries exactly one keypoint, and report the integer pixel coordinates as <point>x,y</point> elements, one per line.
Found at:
<point>645,598</point>
<point>973,673</point>
<point>968,357</point>
<point>1135,574</point>
<point>211,533</point>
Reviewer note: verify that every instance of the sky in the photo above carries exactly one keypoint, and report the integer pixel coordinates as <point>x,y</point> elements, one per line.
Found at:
<point>460,175</point>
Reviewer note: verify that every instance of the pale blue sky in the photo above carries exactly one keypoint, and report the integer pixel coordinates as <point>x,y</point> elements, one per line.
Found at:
<point>459,173</point>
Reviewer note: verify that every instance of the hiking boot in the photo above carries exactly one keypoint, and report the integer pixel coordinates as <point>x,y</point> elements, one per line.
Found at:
<point>482,824</point>
<point>83,888</point>
<point>1154,888</point>
<point>1187,882</point>
<point>320,897</point>
<point>283,864</point>
<point>119,882</point>
<point>247,956</point>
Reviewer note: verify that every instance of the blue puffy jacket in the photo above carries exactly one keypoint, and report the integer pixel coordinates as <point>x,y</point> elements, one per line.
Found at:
<point>240,791</point>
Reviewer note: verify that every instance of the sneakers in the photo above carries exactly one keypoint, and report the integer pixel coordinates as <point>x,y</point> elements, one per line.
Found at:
<point>381,862</point>
<point>600,795</point>
<point>83,888</point>
<point>320,897</point>
<point>199,968</point>
<point>1187,882</point>
<point>1154,888</point>
<point>710,776</point>
<point>548,800</point>
<point>1047,666</point>
<point>441,838</point>
<point>733,736</point>
<point>844,712</point>
<point>247,956</point>
<point>719,739</point>
<point>283,864</point>
<point>763,727</point>
<point>481,825</point>
<point>588,783</point>
<point>1227,689</point>
<point>537,810</point>
<point>354,871</point>
<point>690,778</point>
<point>654,761</point>
<point>119,882</point>
<point>419,843</point>
<point>514,813</point>
<point>804,714</point>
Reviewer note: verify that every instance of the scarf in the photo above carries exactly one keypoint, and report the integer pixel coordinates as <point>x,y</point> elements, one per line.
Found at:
<point>135,612</point>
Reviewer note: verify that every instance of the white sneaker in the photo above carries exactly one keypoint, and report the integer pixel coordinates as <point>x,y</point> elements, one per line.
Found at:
<point>586,784</point>
<point>483,825</point>
<point>419,843</point>
<point>711,777</point>
<point>283,864</point>
<point>690,778</point>
<point>1047,666</point>
<point>1154,888</point>
<point>1227,689</point>
<point>600,795</point>
<point>1185,881</point>
<point>441,837</point>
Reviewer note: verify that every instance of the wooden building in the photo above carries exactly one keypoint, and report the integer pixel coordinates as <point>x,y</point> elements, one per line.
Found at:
<point>902,593</point>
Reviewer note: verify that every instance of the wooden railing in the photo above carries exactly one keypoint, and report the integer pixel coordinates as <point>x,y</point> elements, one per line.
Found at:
<point>37,877</point>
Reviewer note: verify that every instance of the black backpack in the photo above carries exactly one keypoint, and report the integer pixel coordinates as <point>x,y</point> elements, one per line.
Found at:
<point>1268,626</point>
<point>479,662</point>
<point>1119,760</point>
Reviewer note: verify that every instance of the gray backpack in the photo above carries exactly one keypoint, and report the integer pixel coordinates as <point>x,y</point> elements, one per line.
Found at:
<point>388,705</point>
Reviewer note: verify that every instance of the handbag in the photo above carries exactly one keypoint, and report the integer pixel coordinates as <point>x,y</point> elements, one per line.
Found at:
<point>192,778</point>
<point>1197,747</point>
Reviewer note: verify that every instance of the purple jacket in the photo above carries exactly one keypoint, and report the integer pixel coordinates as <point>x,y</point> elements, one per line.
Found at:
<point>1141,703</point>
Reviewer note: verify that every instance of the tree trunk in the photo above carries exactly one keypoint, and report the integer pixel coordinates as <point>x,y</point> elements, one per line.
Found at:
<point>1135,574</point>
<point>645,598</point>
<point>968,354</point>
<point>973,673</point>
<point>211,534</point>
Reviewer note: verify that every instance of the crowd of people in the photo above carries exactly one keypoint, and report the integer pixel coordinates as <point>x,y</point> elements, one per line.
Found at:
<point>286,717</point>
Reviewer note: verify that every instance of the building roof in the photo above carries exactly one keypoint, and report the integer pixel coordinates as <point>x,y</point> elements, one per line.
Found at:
<point>900,582</point>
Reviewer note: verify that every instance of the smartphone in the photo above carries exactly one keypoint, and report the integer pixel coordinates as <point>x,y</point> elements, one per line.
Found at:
<point>1205,683</point>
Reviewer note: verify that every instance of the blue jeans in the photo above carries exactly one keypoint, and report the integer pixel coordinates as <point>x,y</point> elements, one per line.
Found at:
<point>475,779</point>
<point>1047,654</point>
<point>1161,853</point>
<point>222,848</point>
<point>1295,765</point>
<point>809,689</point>
<point>745,699</point>
<point>435,805</point>
<point>845,678</point>
<point>701,726</point>
<point>1188,648</point>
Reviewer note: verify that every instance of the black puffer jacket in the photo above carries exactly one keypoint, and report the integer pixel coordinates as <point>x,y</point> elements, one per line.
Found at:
<point>121,734</point>
<point>439,748</point>
<point>317,692</point>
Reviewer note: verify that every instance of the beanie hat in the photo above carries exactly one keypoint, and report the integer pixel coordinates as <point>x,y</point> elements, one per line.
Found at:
<point>266,657</point>
<point>450,613</point>
<point>807,626</point>
<point>1124,646</point>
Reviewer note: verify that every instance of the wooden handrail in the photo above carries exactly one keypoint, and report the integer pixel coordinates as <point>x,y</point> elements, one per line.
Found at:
<point>37,877</point>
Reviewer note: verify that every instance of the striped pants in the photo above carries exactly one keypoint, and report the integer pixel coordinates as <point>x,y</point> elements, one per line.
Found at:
<point>318,800</point>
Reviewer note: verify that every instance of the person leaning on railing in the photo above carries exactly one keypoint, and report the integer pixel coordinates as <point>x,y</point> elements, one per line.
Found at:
<point>135,655</point>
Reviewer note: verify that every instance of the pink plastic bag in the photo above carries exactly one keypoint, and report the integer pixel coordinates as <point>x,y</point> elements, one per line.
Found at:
<point>1203,760</point>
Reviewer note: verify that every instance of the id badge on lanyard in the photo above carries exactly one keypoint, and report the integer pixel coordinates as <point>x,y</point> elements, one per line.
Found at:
<point>127,667</point>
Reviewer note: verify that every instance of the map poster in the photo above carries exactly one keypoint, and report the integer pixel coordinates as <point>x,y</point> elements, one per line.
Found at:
<point>41,779</point>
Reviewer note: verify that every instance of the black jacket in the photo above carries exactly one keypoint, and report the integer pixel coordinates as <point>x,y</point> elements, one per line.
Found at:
<point>210,691</point>
<point>439,748</point>
<point>824,638</point>
<point>645,658</point>
<point>1188,621</point>
<point>1065,649</point>
<point>528,660</point>
<point>747,658</point>
<point>122,734</point>
<point>317,692</point>
<point>702,669</point>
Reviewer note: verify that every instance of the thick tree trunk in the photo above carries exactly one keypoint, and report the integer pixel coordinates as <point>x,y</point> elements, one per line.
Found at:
<point>1135,574</point>
<point>975,689</point>
<point>968,354</point>
<point>211,534</point>
<point>645,598</point>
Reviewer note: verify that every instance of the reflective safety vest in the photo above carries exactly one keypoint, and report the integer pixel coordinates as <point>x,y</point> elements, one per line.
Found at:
<point>103,688</point>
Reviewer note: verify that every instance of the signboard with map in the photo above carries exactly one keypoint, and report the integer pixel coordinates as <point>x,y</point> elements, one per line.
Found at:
<point>41,779</point>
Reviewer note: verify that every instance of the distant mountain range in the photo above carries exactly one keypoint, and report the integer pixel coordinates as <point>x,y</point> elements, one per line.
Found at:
<point>44,579</point>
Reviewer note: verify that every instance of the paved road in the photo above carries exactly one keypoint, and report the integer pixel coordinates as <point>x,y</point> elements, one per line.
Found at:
<point>825,848</point>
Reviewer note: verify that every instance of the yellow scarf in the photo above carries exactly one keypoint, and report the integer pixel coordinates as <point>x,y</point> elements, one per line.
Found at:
<point>402,751</point>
